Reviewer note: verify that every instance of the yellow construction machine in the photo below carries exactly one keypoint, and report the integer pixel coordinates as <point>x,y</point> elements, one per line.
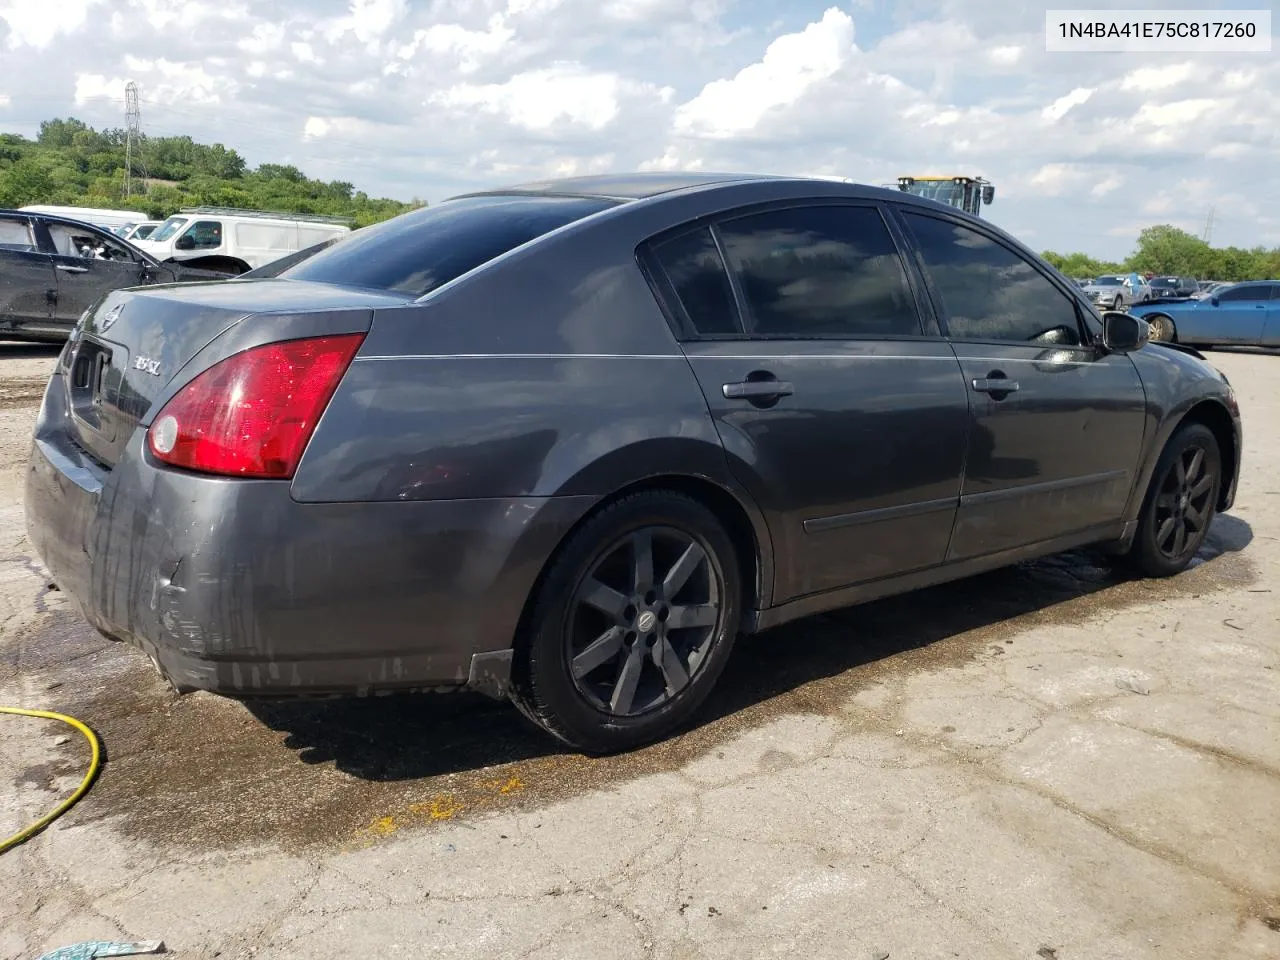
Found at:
<point>967,193</point>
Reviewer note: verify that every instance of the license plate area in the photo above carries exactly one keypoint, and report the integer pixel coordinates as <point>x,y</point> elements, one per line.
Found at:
<point>89,385</point>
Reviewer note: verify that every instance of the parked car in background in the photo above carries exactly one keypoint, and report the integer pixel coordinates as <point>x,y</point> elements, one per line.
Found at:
<point>564,442</point>
<point>1173,286</point>
<point>237,241</point>
<point>53,269</point>
<point>1118,292</point>
<point>141,231</point>
<point>1205,288</point>
<point>1246,314</point>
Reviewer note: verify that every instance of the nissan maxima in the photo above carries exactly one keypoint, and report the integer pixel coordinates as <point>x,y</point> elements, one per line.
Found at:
<point>564,442</point>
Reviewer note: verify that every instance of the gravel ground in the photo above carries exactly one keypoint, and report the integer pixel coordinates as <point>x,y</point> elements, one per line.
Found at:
<point>1051,760</point>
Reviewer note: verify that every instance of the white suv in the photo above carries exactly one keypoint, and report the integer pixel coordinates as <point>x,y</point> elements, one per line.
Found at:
<point>236,241</point>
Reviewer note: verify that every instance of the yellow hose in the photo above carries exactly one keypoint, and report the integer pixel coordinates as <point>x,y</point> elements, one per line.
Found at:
<point>94,764</point>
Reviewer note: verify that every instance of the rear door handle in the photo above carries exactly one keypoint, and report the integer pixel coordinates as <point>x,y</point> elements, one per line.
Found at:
<point>67,268</point>
<point>757,390</point>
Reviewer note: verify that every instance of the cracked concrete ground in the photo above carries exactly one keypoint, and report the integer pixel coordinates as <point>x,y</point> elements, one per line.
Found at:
<point>1047,761</point>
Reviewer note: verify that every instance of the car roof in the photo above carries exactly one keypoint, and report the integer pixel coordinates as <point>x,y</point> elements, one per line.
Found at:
<point>55,218</point>
<point>624,186</point>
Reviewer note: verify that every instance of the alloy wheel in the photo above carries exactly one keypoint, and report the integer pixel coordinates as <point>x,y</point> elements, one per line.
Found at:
<point>1159,328</point>
<point>1182,505</point>
<point>643,619</point>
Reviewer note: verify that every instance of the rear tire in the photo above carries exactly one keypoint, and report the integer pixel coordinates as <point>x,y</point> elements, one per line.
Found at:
<point>632,625</point>
<point>1180,503</point>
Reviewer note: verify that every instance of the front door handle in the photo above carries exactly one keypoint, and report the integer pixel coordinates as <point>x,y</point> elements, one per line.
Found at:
<point>67,268</point>
<point>757,390</point>
<point>996,384</point>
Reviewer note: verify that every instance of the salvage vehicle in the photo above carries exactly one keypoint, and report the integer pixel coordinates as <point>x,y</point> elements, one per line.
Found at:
<point>235,241</point>
<point>1118,292</point>
<point>1241,314</point>
<point>564,442</point>
<point>53,269</point>
<point>1172,287</point>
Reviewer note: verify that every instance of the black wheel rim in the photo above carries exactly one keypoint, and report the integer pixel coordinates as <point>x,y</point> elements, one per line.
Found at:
<point>1184,503</point>
<point>643,619</point>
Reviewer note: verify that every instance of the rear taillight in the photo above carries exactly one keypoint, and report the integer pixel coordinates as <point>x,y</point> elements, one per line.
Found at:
<point>252,414</point>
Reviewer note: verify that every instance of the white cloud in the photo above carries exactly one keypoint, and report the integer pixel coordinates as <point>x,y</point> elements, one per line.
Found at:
<point>1006,56</point>
<point>36,23</point>
<point>791,65</point>
<point>539,99</point>
<point>368,20</point>
<point>1060,107</point>
<point>4,100</point>
<point>1148,79</point>
<point>469,47</point>
<point>265,38</point>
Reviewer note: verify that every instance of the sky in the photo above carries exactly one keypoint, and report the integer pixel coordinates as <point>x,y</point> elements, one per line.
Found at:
<point>430,98</point>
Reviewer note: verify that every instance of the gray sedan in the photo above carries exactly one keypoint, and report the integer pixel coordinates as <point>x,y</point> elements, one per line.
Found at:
<point>564,442</point>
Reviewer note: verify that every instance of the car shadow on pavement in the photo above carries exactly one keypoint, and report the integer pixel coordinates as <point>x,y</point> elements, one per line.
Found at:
<point>408,737</point>
<point>18,350</point>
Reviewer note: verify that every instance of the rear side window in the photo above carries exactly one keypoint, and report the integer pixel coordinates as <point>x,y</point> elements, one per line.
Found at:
<point>417,252</point>
<point>990,292</point>
<point>828,271</point>
<point>692,263</point>
<point>1256,292</point>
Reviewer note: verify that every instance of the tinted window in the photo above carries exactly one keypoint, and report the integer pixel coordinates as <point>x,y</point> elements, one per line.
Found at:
<point>1256,292</point>
<point>988,291</point>
<point>419,251</point>
<point>819,272</point>
<point>692,263</point>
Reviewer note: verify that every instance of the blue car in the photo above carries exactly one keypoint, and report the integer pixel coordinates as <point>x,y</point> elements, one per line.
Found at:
<point>1247,314</point>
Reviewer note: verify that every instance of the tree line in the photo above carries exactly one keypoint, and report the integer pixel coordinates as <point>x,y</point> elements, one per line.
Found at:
<point>1169,251</point>
<point>71,163</point>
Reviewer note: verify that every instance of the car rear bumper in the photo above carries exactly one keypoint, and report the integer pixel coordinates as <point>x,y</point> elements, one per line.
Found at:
<point>233,587</point>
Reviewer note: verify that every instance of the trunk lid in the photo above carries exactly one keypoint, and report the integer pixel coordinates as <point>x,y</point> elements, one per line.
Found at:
<point>125,353</point>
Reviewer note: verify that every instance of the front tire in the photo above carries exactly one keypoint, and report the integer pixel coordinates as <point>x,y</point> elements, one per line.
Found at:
<point>1180,503</point>
<point>1162,328</point>
<point>1118,303</point>
<point>632,624</point>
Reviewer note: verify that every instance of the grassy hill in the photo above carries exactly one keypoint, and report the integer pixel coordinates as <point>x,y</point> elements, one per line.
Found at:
<point>72,163</point>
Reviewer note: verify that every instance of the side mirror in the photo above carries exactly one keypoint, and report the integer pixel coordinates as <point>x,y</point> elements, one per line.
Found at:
<point>988,193</point>
<point>185,242</point>
<point>1123,332</point>
<point>1213,300</point>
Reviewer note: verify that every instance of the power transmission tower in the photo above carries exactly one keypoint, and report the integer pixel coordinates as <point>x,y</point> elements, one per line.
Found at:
<point>1208,227</point>
<point>133,129</point>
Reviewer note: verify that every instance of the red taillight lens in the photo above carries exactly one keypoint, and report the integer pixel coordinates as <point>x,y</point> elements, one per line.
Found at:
<point>252,414</point>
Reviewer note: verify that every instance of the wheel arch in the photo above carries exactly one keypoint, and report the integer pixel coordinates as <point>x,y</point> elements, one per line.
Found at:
<point>743,523</point>
<point>218,262</point>
<point>1215,416</point>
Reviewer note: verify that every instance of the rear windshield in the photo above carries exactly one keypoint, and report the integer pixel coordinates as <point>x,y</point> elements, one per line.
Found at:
<point>419,251</point>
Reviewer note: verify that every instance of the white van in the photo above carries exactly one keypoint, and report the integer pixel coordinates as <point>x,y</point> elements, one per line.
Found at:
<point>235,241</point>
<point>109,220</point>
